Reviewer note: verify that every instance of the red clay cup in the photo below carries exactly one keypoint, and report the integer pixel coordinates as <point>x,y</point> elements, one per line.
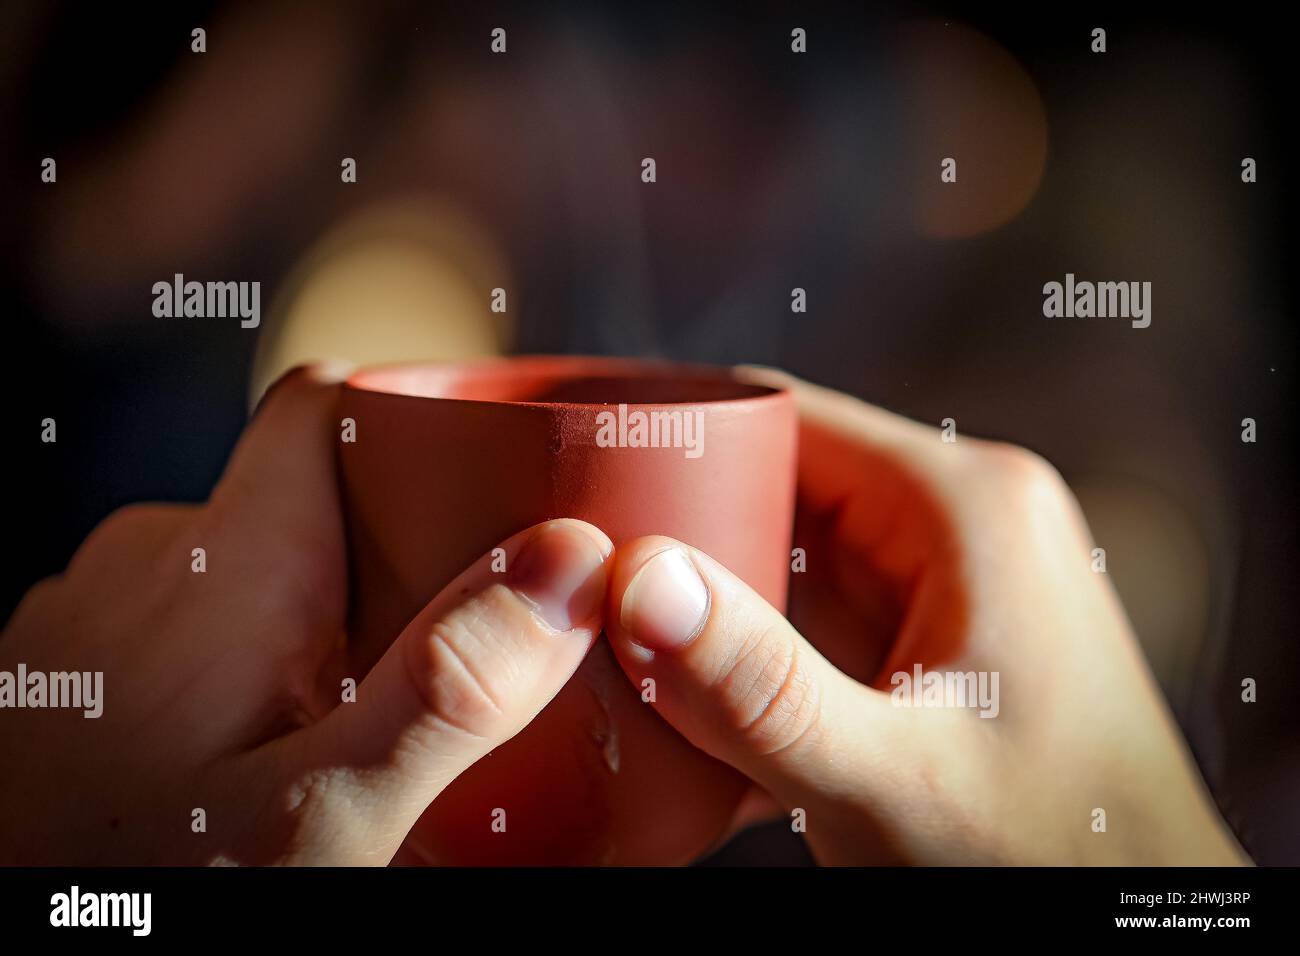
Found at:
<point>448,461</point>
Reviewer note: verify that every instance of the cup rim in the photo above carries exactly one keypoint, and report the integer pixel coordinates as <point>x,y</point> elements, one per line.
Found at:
<point>382,378</point>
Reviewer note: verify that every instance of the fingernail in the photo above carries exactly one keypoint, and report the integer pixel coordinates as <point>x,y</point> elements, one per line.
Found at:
<point>559,570</point>
<point>667,603</point>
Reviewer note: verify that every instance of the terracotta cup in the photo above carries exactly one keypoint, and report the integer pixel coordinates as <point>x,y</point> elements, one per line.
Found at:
<point>448,461</point>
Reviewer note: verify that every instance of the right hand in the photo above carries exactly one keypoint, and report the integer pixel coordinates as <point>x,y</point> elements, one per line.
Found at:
<point>965,556</point>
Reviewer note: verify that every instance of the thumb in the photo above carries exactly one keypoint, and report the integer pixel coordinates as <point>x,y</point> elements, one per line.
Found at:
<point>735,678</point>
<point>467,674</point>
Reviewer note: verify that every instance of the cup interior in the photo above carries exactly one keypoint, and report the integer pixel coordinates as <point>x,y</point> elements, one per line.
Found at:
<point>564,380</point>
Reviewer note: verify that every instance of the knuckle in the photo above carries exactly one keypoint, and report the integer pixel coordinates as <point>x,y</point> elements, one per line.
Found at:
<point>44,599</point>
<point>773,702</point>
<point>123,521</point>
<point>46,589</point>
<point>126,528</point>
<point>457,688</point>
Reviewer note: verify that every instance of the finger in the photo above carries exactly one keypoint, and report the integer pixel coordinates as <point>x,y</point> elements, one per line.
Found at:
<point>282,473</point>
<point>844,442</point>
<point>473,668</point>
<point>881,500</point>
<point>842,414</point>
<point>876,474</point>
<point>734,677</point>
<point>138,529</point>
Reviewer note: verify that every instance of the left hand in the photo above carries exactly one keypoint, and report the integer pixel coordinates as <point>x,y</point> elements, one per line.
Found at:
<point>222,689</point>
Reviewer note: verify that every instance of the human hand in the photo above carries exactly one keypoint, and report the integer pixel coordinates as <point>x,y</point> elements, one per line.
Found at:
<point>966,557</point>
<point>222,690</point>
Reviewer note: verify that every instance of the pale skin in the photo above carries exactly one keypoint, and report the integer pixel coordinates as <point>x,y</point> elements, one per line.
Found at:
<point>223,689</point>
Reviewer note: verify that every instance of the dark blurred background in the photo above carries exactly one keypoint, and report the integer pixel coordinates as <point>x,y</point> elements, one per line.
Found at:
<point>775,170</point>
